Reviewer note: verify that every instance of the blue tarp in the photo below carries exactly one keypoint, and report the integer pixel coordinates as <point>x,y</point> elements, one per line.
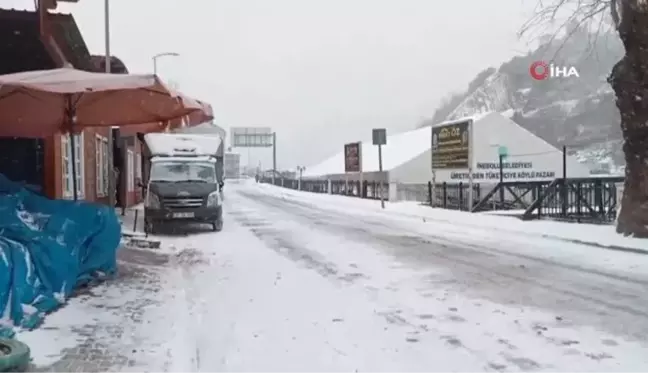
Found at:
<point>47,249</point>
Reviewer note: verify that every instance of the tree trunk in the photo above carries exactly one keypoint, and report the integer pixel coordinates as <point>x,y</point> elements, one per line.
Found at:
<point>629,79</point>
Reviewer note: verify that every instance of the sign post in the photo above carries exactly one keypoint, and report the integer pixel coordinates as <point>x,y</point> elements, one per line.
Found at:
<point>452,150</point>
<point>502,152</point>
<point>433,145</point>
<point>379,137</point>
<point>471,163</point>
<point>301,170</point>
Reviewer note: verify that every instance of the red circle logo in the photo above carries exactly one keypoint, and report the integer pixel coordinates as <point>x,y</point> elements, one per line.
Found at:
<point>539,70</point>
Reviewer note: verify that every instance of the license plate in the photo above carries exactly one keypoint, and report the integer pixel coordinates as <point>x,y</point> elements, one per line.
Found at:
<point>183,215</point>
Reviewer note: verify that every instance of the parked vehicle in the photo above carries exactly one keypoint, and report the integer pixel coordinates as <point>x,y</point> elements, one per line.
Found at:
<point>183,184</point>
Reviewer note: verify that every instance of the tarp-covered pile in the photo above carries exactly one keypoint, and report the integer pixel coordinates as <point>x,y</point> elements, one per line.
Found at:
<point>47,249</point>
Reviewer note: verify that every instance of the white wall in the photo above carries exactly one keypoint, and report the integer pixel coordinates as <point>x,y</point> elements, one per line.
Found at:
<point>416,171</point>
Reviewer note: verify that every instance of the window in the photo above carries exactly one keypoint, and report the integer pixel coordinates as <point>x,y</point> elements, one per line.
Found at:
<point>67,174</point>
<point>107,171</point>
<point>101,175</point>
<point>131,171</point>
<point>183,171</point>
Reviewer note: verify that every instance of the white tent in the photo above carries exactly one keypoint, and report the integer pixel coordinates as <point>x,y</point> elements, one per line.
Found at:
<point>407,157</point>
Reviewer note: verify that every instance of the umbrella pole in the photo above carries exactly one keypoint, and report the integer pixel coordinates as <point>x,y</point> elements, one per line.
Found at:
<point>74,168</point>
<point>70,117</point>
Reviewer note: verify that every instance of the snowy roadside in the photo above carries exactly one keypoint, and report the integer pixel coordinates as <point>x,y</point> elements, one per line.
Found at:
<point>603,236</point>
<point>97,329</point>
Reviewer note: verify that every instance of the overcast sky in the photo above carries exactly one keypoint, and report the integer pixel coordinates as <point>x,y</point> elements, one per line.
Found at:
<point>319,72</point>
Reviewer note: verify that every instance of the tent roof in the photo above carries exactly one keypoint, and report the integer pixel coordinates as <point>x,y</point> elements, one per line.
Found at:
<point>400,148</point>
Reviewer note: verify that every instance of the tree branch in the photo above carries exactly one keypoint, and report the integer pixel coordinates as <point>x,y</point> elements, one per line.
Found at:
<point>581,13</point>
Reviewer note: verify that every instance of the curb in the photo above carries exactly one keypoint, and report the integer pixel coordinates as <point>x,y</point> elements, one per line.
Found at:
<point>598,245</point>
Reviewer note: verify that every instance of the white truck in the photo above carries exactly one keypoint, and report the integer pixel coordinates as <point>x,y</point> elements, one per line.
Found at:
<point>184,185</point>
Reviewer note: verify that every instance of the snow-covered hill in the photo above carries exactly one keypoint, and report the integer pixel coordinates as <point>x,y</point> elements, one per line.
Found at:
<point>579,112</point>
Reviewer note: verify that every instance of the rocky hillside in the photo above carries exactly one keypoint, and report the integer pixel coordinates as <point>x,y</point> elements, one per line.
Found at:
<point>577,111</point>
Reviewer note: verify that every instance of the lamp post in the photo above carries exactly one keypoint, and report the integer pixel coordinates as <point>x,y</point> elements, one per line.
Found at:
<point>165,54</point>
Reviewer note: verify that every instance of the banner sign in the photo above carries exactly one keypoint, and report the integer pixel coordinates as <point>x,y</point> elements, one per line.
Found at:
<point>353,157</point>
<point>511,171</point>
<point>451,146</point>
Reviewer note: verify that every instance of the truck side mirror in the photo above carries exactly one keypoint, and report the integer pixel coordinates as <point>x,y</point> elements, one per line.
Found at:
<point>221,184</point>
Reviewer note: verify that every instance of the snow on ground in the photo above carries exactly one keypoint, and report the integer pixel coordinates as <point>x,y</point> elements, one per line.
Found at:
<point>604,235</point>
<point>98,330</point>
<point>248,309</point>
<point>292,284</point>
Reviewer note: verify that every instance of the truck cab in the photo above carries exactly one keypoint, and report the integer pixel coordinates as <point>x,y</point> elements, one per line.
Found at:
<point>183,184</point>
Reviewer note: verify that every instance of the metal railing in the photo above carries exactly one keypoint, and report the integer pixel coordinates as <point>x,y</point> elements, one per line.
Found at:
<point>587,200</point>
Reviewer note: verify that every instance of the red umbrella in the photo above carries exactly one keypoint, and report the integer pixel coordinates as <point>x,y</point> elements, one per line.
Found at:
<point>205,114</point>
<point>41,103</point>
<point>193,119</point>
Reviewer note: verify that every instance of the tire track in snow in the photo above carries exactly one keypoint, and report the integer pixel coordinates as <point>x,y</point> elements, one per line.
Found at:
<point>281,242</point>
<point>477,263</point>
<point>275,239</point>
<point>188,313</point>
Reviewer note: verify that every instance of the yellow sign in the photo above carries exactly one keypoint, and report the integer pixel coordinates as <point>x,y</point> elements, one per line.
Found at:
<point>451,146</point>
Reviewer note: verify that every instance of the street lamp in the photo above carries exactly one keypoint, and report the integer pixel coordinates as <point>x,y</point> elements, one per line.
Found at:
<point>165,54</point>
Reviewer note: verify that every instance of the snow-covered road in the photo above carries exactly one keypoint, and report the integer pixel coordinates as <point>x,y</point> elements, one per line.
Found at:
<point>290,285</point>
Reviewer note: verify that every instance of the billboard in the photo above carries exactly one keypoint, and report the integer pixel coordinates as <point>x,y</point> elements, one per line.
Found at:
<point>451,145</point>
<point>251,137</point>
<point>353,157</point>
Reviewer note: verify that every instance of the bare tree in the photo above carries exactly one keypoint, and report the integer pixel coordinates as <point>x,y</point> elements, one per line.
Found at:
<point>629,80</point>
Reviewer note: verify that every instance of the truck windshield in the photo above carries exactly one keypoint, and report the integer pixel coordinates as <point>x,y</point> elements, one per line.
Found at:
<point>175,171</point>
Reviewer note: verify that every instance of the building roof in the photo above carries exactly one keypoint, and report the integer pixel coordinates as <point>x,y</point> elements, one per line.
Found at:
<point>68,37</point>
<point>23,25</point>
<point>20,44</point>
<point>117,66</point>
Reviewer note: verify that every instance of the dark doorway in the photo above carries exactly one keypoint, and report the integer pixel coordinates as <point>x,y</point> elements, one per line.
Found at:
<point>23,160</point>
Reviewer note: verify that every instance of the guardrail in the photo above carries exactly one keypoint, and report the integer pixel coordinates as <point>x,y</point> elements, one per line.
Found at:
<point>590,200</point>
